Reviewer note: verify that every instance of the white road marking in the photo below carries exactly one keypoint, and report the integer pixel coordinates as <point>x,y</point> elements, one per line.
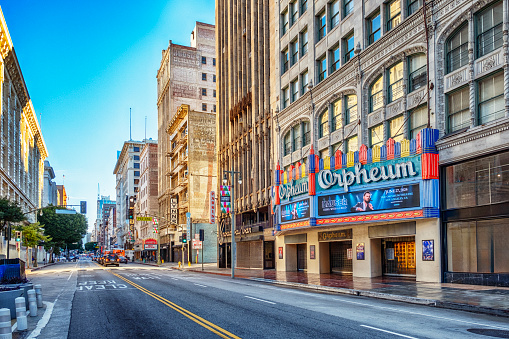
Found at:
<point>379,329</point>
<point>265,301</point>
<point>200,285</point>
<point>43,321</point>
<point>70,275</point>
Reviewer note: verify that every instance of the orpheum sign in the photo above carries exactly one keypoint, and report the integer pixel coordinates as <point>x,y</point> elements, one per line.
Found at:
<point>335,235</point>
<point>150,244</point>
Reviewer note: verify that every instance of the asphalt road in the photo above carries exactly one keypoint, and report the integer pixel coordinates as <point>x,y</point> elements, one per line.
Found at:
<point>136,301</point>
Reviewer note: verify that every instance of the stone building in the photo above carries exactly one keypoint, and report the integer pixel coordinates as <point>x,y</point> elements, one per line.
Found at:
<point>191,172</point>
<point>49,191</point>
<point>244,128</point>
<point>351,78</point>
<point>22,147</point>
<point>61,196</point>
<point>187,75</point>
<point>104,226</point>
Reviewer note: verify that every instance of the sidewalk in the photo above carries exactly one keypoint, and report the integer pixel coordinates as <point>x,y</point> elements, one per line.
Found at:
<point>481,299</point>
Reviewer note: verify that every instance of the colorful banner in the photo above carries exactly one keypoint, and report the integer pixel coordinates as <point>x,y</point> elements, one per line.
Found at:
<point>225,199</point>
<point>370,200</point>
<point>295,211</point>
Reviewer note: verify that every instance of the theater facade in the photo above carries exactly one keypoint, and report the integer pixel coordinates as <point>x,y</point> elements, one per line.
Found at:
<point>369,213</point>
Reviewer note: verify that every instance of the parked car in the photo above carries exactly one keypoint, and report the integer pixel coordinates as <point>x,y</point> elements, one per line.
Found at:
<point>111,259</point>
<point>123,260</point>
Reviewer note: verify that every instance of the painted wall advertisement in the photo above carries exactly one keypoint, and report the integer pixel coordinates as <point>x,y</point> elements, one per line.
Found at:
<point>295,211</point>
<point>370,200</point>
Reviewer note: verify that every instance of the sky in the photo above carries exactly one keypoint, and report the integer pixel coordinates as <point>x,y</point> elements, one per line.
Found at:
<point>85,64</point>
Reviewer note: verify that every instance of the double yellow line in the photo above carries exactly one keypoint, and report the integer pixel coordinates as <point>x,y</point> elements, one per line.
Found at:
<point>197,319</point>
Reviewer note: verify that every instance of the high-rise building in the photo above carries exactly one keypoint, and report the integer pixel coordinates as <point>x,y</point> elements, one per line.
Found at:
<point>22,149</point>
<point>244,127</point>
<point>358,83</point>
<point>61,196</point>
<point>103,227</point>
<point>187,75</point>
<point>127,173</point>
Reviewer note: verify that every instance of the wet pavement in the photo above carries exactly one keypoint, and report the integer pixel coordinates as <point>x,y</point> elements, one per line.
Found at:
<point>485,299</point>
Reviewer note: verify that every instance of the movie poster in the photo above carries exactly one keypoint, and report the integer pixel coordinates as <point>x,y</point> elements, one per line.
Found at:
<point>370,200</point>
<point>295,211</point>
<point>428,252</point>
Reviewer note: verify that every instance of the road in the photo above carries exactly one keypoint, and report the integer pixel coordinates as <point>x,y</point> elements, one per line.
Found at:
<point>137,301</point>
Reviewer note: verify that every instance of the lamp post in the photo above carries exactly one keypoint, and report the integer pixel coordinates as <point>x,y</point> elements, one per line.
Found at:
<point>225,181</point>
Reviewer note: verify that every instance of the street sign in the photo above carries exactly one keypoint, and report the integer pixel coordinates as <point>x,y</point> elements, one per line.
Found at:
<point>173,211</point>
<point>144,218</point>
<point>188,220</point>
<point>60,211</point>
<point>197,244</point>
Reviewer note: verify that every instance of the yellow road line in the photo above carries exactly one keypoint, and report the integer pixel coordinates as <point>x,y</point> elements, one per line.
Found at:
<point>197,319</point>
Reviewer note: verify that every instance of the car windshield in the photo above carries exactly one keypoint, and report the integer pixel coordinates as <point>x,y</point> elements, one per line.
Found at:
<point>112,257</point>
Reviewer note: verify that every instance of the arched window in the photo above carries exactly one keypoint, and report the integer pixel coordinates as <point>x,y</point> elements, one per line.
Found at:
<point>376,97</point>
<point>351,108</point>
<point>324,124</point>
<point>457,49</point>
<point>288,143</point>
<point>337,120</point>
<point>416,72</point>
<point>297,136</point>
<point>395,88</point>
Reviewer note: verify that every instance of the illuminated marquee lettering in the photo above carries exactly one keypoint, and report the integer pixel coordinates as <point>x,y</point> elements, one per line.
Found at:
<point>291,190</point>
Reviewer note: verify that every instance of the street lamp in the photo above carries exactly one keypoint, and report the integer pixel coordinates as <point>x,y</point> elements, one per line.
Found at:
<point>225,181</point>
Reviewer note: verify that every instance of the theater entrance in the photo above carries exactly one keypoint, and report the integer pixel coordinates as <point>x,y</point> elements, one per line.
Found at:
<point>398,256</point>
<point>341,257</point>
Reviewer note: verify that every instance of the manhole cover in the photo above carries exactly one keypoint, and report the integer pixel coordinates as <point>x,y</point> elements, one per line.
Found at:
<point>490,332</point>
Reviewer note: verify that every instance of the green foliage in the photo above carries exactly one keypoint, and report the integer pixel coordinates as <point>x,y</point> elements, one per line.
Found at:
<point>32,235</point>
<point>64,229</point>
<point>90,246</point>
<point>10,211</point>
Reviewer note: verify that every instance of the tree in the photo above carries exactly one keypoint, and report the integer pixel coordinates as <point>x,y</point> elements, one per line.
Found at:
<point>64,229</point>
<point>10,212</point>
<point>90,246</point>
<point>32,235</point>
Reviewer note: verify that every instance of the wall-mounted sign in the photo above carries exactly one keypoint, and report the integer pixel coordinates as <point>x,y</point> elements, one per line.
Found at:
<point>335,235</point>
<point>428,250</point>
<point>150,244</point>
<point>294,188</point>
<point>280,250</point>
<point>370,200</point>
<point>173,211</point>
<point>360,251</point>
<point>311,251</point>
<point>225,199</point>
<point>295,211</point>
<point>143,218</point>
<point>365,174</point>
<point>212,207</point>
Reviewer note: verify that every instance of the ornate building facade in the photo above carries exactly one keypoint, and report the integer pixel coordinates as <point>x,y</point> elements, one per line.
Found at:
<point>352,79</point>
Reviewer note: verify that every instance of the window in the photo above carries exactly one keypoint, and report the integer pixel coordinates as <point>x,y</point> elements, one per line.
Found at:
<point>334,14</point>
<point>374,32</point>
<point>489,29</point>
<point>214,108</point>
<point>396,130</point>
<point>294,10</point>
<point>285,100</point>
<point>418,120</point>
<point>284,22</point>
<point>204,76</point>
<point>491,98</point>
<point>324,153</point>
<point>213,61</point>
<point>393,14</point>
<point>136,149</point>
<point>337,121</point>
<point>352,144</point>
<point>417,72</point>
<point>136,173</point>
<point>284,61</point>
<point>348,47</point>
<point>304,42</point>
<point>321,23</point>
<point>413,6</point>
<point>322,68</point>
<point>351,108</point>
<point>306,133</point>
<point>204,60</point>
<point>214,93</point>
<point>294,89</point>
<point>136,165</point>
<point>376,136</point>
<point>304,82</point>
<point>376,98</point>
<point>324,124</point>
<point>335,147</point>
<point>296,137</point>
<point>214,78</point>
<point>204,92</point>
<point>204,107</point>
<point>458,111</point>
<point>288,144</point>
<point>334,59</point>
<point>294,46</point>
<point>457,49</point>
<point>136,157</point>
<point>395,88</point>
<point>303,6</point>
<point>347,7</point>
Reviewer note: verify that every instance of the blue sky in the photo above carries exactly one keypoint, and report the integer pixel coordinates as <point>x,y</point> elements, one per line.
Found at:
<point>85,63</point>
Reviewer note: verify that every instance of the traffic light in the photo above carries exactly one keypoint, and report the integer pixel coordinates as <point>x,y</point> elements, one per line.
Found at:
<point>83,207</point>
<point>184,238</point>
<point>131,213</point>
<point>18,235</point>
<point>202,235</point>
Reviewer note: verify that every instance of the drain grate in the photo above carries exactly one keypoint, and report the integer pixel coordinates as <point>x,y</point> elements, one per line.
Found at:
<point>490,332</point>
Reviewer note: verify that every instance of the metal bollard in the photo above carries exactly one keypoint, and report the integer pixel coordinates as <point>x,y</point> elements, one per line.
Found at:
<point>32,303</point>
<point>38,294</point>
<point>21,314</point>
<point>5,324</point>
